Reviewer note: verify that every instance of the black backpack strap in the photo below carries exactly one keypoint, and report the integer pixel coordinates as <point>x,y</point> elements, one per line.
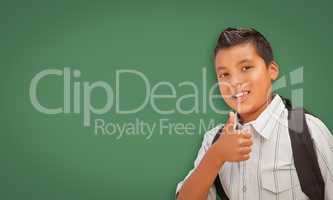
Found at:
<point>304,154</point>
<point>217,182</point>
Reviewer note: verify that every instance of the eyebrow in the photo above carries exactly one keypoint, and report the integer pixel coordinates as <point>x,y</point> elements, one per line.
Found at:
<point>240,62</point>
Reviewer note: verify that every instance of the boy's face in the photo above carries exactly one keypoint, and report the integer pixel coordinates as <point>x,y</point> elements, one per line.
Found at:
<point>245,81</point>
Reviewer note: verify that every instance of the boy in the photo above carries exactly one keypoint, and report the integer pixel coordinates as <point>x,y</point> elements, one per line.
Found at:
<point>256,160</point>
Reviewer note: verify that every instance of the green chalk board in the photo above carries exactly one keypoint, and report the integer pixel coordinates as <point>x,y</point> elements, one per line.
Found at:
<point>73,73</point>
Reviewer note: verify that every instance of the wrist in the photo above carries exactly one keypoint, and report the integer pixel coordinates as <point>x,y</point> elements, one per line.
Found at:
<point>215,157</point>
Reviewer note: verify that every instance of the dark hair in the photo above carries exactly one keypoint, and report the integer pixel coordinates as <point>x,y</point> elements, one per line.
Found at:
<point>234,36</point>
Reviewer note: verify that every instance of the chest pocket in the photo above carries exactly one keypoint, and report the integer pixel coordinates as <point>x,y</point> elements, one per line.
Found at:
<point>281,178</point>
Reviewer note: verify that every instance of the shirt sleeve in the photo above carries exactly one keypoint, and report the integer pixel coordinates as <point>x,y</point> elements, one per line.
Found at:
<point>206,143</point>
<point>323,143</point>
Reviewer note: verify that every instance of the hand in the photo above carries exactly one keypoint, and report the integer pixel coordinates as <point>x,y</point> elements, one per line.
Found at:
<point>233,145</point>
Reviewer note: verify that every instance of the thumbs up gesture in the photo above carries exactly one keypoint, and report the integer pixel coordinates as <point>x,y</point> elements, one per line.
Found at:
<point>233,145</point>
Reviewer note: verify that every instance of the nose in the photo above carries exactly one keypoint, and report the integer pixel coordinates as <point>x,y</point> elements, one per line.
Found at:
<point>236,82</point>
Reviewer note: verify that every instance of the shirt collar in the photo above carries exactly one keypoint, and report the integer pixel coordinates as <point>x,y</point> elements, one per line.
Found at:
<point>266,121</point>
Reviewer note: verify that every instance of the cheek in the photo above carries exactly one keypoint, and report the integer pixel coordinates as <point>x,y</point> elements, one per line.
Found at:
<point>260,81</point>
<point>257,75</point>
<point>225,90</point>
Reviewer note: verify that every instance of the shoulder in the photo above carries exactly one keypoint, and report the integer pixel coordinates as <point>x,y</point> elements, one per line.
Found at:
<point>209,136</point>
<point>319,131</point>
<point>316,124</point>
<point>323,144</point>
<point>206,143</point>
<point>313,119</point>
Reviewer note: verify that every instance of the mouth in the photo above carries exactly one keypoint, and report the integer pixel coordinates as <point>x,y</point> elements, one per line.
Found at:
<point>241,96</point>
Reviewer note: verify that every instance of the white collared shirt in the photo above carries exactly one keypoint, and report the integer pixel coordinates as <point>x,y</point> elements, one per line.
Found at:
<point>270,172</point>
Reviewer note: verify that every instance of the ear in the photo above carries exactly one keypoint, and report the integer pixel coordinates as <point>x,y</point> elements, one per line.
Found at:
<point>273,69</point>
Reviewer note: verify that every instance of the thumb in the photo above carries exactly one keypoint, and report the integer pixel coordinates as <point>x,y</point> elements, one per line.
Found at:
<point>230,122</point>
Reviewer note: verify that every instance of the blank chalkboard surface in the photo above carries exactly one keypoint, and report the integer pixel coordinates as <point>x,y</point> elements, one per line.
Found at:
<point>111,99</point>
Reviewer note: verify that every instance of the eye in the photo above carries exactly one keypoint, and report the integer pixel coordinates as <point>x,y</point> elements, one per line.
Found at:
<point>245,68</point>
<point>223,75</point>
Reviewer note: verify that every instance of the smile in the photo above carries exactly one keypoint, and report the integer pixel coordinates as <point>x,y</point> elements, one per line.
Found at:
<point>241,96</point>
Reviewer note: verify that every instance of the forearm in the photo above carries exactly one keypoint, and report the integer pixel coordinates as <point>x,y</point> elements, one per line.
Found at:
<point>197,185</point>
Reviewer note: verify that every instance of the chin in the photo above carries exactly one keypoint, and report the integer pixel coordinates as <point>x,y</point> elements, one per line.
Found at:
<point>243,108</point>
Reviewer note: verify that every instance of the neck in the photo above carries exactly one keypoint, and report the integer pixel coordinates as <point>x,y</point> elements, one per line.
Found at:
<point>247,117</point>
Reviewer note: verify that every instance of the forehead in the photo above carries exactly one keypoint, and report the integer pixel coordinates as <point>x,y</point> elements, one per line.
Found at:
<point>232,56</point>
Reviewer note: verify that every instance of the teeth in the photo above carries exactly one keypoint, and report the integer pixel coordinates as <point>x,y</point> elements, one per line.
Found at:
<point>241,94</point>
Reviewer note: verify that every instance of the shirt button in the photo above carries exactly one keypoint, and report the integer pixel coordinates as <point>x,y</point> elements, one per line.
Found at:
<point>244,188</point>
